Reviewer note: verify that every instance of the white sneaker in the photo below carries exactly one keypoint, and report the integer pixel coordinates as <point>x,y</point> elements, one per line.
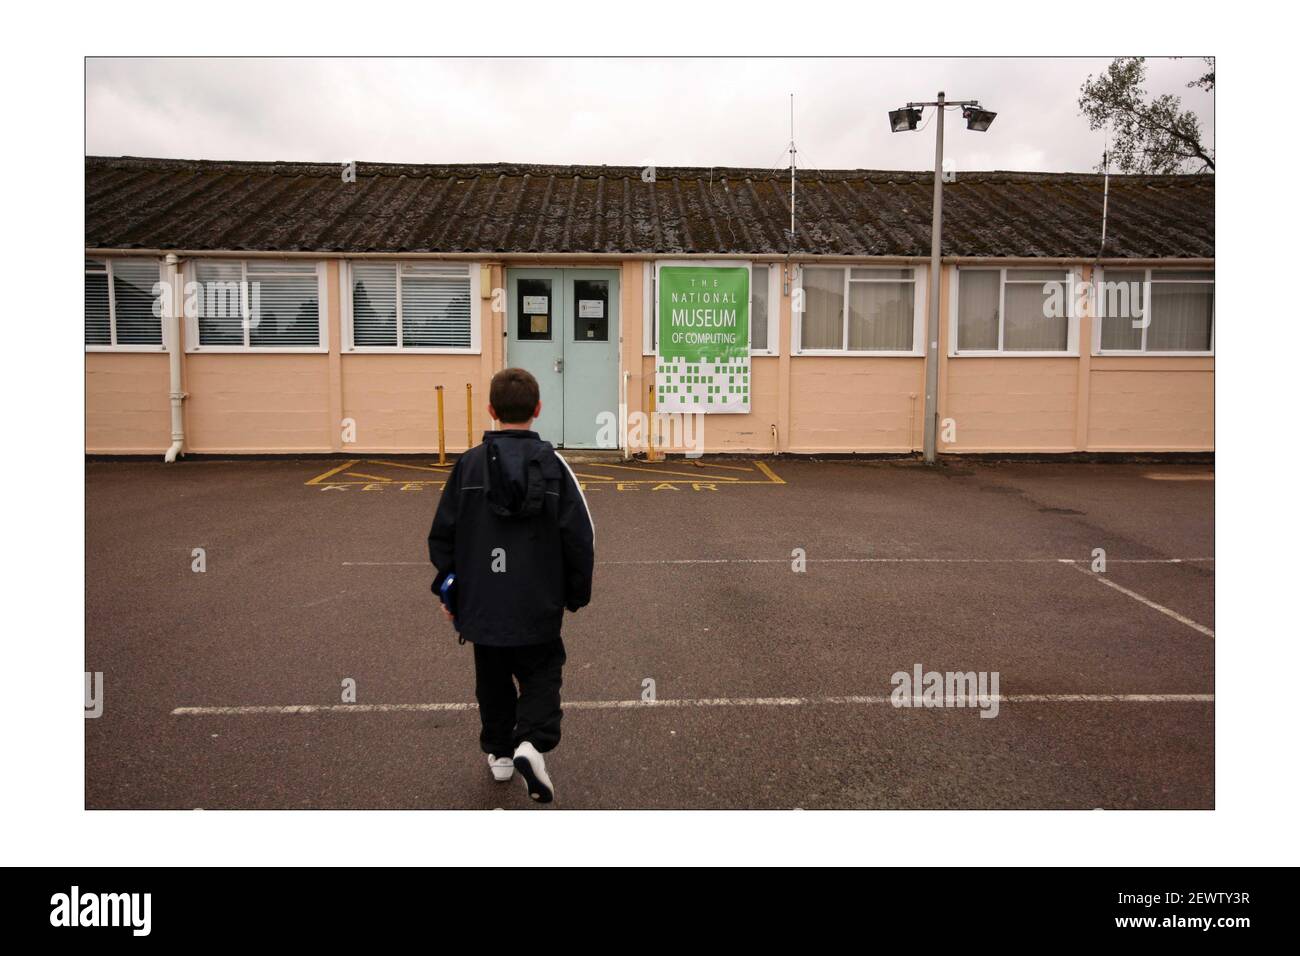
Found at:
<point>532,767</point>
<point>503,768</point>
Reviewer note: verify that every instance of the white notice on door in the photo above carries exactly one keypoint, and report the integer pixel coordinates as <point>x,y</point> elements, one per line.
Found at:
<point>536,305</point>
<point>591,308</point>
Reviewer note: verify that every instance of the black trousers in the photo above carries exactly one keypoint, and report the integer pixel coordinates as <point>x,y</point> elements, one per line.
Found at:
<point>533,713</point>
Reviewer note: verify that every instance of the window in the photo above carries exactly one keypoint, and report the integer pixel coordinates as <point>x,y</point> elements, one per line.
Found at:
<point>860,310</point>
<point>760,297</point>
<point>650,321</point>
<point>1155,311</point>
<point>534,307</point>
<point>591,310</point>
<point>120,299</point>
<point>255,304</point>
<point>412,306</point>
<point>1014,311</point>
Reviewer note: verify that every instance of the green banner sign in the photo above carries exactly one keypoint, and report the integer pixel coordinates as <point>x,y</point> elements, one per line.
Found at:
<point>703,337</point>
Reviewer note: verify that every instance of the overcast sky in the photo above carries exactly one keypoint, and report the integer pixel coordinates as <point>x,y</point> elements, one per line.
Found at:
<point>635,112</point>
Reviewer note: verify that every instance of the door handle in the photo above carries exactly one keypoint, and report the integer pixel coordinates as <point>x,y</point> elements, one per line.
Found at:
<point>559,365</point>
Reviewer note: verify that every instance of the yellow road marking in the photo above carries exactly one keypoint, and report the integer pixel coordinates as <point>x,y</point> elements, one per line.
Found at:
<point>334,471</point>
<point>716,464</point>
<point>663,477</point>
<point>664,471</point>
<point>398,464</point>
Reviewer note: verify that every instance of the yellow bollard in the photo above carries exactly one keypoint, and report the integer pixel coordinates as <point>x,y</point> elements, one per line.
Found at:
<point>650,424</point>
<point>442,430</point>
<point>469,415</point>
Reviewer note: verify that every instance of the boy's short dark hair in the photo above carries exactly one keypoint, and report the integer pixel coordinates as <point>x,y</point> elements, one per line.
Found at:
<point>514,395</point>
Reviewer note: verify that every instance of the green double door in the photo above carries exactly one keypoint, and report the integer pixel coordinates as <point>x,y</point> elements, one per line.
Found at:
<point>562,325</point>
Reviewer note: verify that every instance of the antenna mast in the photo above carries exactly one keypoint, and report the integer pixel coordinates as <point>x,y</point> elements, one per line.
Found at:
<point>1105,197</point>
<point>792,171</point>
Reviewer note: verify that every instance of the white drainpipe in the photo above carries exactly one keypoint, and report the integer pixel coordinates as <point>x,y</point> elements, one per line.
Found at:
<point>623,414</point>
<point>174,358</point>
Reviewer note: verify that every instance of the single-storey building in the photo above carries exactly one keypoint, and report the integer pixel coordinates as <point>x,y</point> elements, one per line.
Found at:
<point>319,306</point>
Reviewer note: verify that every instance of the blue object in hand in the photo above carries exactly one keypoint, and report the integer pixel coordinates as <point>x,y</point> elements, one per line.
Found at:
<point>447,594</point>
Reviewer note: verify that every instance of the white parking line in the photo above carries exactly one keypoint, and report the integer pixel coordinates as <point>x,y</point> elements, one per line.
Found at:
<point>1147,601</point>
<point>287,709</point>
<point>898,560</point>
<point>901,560</point>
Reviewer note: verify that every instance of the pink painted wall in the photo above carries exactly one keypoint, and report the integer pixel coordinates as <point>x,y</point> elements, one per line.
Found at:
<point>838,404</point>
<point>285,403</point>
<point>393,401</point>
<point>128,410</point>
<point>848,404</point>
<point>1076,403</point>
<point>1144,404</point>
<point>1010,404</point>
<point>246,402</point>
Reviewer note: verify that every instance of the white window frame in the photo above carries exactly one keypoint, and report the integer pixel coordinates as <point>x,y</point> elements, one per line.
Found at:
<point>650,311</point>
<point>112,309</point>
<point>1071,349</point>
<point>1099,276</point>
<point>649,315</point>
<point>193,345</point>
<point>773,309</point>
<point>475,311</point>
<point>920,283</point>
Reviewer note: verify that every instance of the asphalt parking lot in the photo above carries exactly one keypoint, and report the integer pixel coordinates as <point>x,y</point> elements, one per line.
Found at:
<point>223,688</point>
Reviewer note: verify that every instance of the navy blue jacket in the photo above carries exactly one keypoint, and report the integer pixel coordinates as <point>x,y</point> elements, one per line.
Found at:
<point>514,527</point>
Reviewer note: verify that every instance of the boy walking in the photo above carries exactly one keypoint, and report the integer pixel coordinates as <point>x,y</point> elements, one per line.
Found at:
<point>514,529</point>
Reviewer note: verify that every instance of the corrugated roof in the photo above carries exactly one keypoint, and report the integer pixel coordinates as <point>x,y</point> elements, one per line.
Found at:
<point>134,203</point>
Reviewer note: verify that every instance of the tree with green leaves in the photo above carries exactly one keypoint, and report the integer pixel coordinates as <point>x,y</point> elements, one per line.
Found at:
<point>1147,134</point>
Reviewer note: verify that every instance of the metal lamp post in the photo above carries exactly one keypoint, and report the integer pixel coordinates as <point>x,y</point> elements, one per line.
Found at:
<point>904,120</point>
